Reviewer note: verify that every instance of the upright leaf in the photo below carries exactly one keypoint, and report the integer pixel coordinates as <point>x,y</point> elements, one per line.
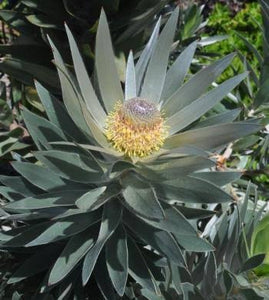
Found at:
<point>130,82</point>
<point>108,78</point>
<point>177,72</point>
<point>145,56</point>
<point>58,115</point>
<point>186,94</point>
<point>197,108</point>
<point>156,71</point>
<point>84,82</point>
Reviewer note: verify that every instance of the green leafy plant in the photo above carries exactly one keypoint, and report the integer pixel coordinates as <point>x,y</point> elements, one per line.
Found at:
<point>244,25</point>
<point>105,201</point>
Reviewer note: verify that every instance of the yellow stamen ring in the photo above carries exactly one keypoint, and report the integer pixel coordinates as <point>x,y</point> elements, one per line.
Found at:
<point>136,128</point>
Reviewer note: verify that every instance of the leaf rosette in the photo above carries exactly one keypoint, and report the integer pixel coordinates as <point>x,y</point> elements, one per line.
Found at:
<point>111,164</point>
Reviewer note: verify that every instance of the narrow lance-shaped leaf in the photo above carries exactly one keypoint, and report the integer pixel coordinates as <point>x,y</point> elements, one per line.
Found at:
<point>73,252</point>
<point>107,74</point>
<point>190,189</point>
<point>156,71</point>
<point>47,200</point>
<point>196,109</point>
<point>70,165</point>
<point>177,72</point>
<point>160,240</point>
<point>84,82</point>
<point>42,131</point>
<point>111,218</point>
<point>20,185</point>
<point>64,228</point>
<point>130,82</point>
<point>186,94</point>
<point>145,56</point>
<point>58,115</point>
<point>70,96</point>
<point>117,259</point>
<point>225,117</point>
<point>37,263</point>
<point>97,197</point>
<point>138,268</point>
<point>212,137</point>
<point>39,176</point>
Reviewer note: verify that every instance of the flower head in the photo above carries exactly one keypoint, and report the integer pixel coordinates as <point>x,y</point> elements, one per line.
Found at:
<point>136,127</point>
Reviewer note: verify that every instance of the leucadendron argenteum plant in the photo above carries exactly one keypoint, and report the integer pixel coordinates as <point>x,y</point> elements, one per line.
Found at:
<point>104,203</point>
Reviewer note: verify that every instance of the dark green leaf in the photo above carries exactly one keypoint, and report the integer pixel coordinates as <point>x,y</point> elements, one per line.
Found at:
<point>252,262</point>
<point>138,268</point>
<point>37,263</point>
<point>159,240</point>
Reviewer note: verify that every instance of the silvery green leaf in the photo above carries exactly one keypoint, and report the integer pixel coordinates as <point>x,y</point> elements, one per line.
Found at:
<point>64,228</point>
<point>41,177</point>
<point>156,71</point>
<point>108,78</point>
<point>186,94</point>
<point>177,72</point>
<point>102,278</point>
<point>117,259</point>
<point>226,117</point>
<point>84,82</point>
<point>189,189</point>
<point>47,200</point>
<point>210,275</point>
<point>97,197</point>
<point>10,194</point>
<point>74,251</point>
<point>73,166</point>
<point>111,217</point>
<point>143,60</point>
<point>74,103</point>
<point>212,137</point>
<point>218,178</point>
<point>175,167</point>
<point>58,115</point>
<point>130,82</point>
<point>70,94</point>
<point>42,131</point>
<point>197,108</point>
<point>141,198</point>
